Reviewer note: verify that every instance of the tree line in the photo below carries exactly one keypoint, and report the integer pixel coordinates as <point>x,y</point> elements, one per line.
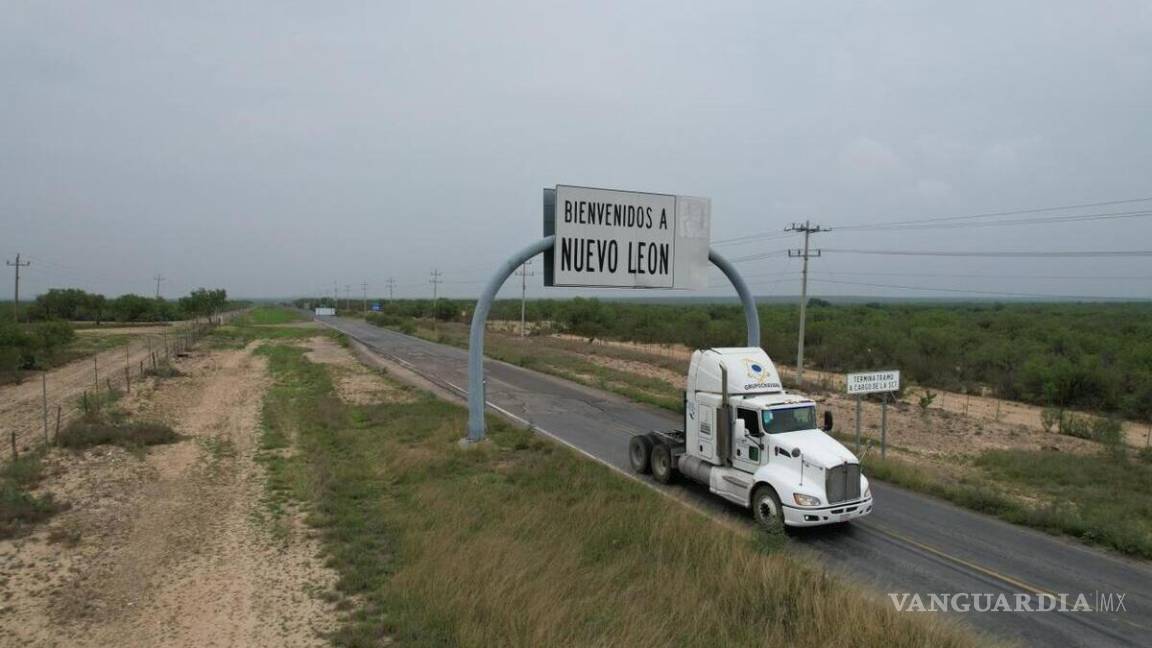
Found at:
<point>1073,355</point>
<point>45,326</point>
<point>72,304</point>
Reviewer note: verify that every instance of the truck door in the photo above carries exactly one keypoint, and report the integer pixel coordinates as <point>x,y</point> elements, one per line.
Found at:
<point>746,452</point>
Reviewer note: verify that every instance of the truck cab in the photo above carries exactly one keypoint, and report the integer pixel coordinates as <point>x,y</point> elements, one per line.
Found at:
<point>752,443</point>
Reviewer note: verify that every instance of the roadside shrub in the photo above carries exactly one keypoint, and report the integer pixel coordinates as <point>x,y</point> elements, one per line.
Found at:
<point>1110,433</point>
<point>1075,426</point>
<point>18,507</point>
<point>93,431</point>
<point>1049,418</point>
<point>926,400</point>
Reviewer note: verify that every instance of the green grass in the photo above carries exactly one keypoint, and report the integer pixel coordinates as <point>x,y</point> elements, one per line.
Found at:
<point>19,508</point>
<point>260,324</point>
<point>264,315</point>
<point>1089,497</point>
<point>521,542</point>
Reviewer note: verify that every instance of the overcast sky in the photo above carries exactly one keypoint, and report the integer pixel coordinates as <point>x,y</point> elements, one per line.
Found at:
<point>273,148</point>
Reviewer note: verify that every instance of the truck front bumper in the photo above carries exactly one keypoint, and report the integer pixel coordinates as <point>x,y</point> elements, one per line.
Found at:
<point>817,515</point>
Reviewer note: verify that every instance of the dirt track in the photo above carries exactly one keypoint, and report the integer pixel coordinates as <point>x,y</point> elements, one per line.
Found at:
<point>175,548</point>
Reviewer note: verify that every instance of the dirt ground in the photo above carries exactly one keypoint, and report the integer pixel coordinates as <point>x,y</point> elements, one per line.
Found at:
<point>21,406</point>
<point>175,547</point>
<point>355,383</point>
<point>1004,420</point>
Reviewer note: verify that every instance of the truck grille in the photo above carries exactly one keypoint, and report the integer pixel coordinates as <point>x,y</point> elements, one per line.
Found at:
<point>842,483</point>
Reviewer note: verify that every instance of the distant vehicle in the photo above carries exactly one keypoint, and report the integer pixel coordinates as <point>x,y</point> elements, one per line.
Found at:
<point>755,445</point>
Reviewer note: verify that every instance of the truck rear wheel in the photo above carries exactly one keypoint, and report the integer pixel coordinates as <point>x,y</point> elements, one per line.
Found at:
<point>640,453</point>
<point>766,509</point>
<point>662,469</point>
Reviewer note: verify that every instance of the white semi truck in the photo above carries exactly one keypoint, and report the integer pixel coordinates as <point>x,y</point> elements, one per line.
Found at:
<point>750,442</point>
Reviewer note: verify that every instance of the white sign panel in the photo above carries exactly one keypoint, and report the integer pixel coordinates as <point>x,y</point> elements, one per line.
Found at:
<point>873,382</point>
<point>321,310</point>
<point>625,239</point>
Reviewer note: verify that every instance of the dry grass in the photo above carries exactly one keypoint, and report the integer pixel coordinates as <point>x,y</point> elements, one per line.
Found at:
<point>519,542</point>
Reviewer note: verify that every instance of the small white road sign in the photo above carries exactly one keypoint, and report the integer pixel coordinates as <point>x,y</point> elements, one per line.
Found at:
<point>873,382</point>
<point>626,239</point>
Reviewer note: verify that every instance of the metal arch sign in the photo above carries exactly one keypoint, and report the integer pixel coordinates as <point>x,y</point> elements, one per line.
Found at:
<point>872,382</point>
<point>607,238</point>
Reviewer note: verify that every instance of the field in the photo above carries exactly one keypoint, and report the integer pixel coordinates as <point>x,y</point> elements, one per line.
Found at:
<point>521,542</point>
<point>986,460</point>
<point>1088,356</point>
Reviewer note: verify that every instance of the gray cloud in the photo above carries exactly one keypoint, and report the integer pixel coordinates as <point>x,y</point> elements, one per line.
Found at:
<point>273,148</point>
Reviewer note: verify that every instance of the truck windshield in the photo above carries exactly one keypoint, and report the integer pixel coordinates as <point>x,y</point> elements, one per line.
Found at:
<point>789,420</point>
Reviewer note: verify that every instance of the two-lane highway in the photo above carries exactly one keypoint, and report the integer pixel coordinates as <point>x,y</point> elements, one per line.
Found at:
<point>910,544</point>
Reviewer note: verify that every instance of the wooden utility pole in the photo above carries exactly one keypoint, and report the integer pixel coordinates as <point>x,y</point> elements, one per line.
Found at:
<point>524,274</point>
<point>158,278</point>
<point>435,281</point>
<point>16,291</point>
<point>808,229</point>
<point>391,285</point>
<point>364,287</point>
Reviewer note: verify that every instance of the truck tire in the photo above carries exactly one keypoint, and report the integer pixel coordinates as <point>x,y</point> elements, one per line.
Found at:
<point>640,453</point>
<point>766,508</point>
<point>662,469</point>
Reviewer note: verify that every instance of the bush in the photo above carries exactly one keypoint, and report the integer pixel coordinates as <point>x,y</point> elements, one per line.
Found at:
<point>1075,426</point>
<point>1049,418</point>
<point>93,431</point>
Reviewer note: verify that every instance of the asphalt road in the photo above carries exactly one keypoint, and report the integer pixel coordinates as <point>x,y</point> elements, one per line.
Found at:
<point>909,544</point>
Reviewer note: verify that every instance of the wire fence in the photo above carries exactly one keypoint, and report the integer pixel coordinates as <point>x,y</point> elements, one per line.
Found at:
<point>39,408</point>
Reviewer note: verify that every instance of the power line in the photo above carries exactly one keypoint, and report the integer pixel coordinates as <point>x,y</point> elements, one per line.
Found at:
<point>1015,212</point>
<point>435,281</point>
<point>757,237</point>
<point>16,292</point>
<point>808,229</point>
<point>1002,223</point>
<point>524,274</point>
<point>1004,254</point>
<point>927,222</point>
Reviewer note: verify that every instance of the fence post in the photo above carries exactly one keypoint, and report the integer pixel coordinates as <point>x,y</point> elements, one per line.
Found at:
<point>14,455</point>
<point>884,426</point>
<point>44,401</point>
<point>57,436</point>
<point>95,373</point>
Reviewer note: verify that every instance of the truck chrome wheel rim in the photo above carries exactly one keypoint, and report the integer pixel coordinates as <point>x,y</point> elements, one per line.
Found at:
<point>767,508</point>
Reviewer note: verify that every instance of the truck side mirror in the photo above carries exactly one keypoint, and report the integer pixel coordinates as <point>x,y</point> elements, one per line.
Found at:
<point>827,421</point>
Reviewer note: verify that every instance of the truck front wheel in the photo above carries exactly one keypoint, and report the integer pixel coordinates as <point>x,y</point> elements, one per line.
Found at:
<point>662,469</point>
<point>766,508</point>
<point>639,453</point>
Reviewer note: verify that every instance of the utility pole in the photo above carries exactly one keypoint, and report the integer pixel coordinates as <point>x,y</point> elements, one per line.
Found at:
<point>391,284</point>
<point>524,274</point>
<point>364,287</point>
<point>348,296</point>
<point>16,290</point>
<point>158,278</point>
<point>435,281</point>
<point>335,295</point>
<point>808,229</point>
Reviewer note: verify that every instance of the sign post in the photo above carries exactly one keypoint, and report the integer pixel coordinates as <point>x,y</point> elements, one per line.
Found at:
<point>875,382</point>
<point>604,238</point>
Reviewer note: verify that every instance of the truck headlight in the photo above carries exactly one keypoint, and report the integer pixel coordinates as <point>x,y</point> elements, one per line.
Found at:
<point>867,492</point>
<point>806,500</point>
